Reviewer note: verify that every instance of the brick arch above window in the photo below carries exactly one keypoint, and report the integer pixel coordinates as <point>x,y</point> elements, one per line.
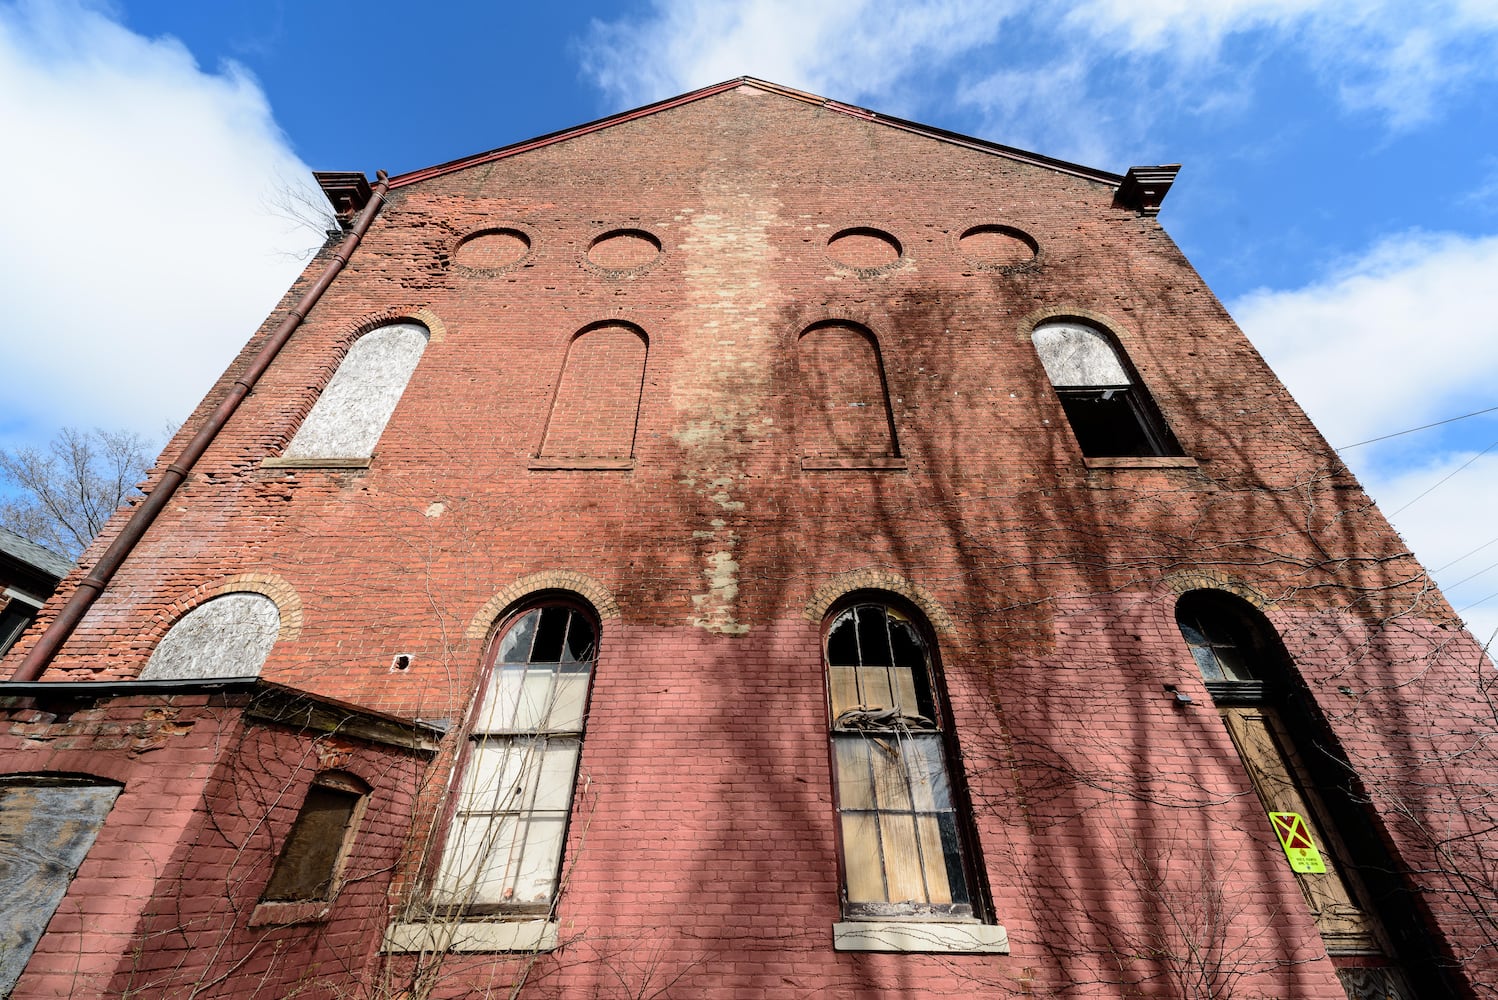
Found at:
<point>595,407</point>
<point>273,586</point>
<point>580,585</point>
<point>1205,579</point>
<point>875,579</point>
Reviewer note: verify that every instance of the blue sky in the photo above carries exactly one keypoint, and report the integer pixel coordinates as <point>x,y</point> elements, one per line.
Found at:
<point>1339,189</point>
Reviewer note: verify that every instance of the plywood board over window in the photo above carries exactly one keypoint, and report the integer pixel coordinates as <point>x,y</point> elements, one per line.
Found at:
<point>47,826</point>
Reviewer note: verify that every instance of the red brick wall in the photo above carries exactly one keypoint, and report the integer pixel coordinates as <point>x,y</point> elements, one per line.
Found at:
<point>161,905</point>
<point>1103,812</point>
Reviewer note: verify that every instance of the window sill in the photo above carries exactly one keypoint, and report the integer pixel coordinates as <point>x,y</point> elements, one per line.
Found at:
<point>862,462</point>
<point>580,464</point>
<point>1143,462</point>
<point>316,463</point>
<point>471,935</point>
<point>284,914</point>
<point>920,936</point>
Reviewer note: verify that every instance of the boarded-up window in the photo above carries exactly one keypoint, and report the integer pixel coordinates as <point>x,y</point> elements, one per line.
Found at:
<point>504,848</point>
<point>311,860</point>
<point>229,636</point>
<point>1240,659</point>
<point>1111,415</point>
<point>47,826</point>
<point>843,404</point>
<point>351,413</point>
<point>903,840</point>
<point>597,402</point>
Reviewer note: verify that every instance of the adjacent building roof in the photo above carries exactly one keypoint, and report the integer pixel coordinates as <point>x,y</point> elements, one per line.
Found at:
<point>36,557</point>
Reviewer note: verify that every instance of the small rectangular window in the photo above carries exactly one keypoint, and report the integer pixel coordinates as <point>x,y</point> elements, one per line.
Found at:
<point>13,621</point>
<point>311,861</point>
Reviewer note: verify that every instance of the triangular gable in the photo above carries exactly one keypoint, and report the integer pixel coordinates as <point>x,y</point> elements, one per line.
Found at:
<point>941,135</point>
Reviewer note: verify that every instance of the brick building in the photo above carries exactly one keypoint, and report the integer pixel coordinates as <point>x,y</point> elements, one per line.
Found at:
<point>749,546</point>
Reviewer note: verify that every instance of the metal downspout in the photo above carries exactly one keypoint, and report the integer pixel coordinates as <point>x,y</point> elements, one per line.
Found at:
<point>89,589</point>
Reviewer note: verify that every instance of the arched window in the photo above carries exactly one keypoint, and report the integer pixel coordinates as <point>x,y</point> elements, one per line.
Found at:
<point>903,828</point>
<point>843,403</point>
<point>504,847</point>
<point>228,636</point>
<point>1246,671</point>
<point>1110,413</point>
<point>597,402</point>
<point>349,416</point>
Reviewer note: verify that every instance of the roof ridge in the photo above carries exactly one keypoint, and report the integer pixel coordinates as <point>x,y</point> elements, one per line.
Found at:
<point>854,111</point>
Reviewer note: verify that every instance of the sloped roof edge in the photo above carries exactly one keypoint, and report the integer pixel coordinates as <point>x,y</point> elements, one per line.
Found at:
<point>930,131</point>
<point>38,557</point>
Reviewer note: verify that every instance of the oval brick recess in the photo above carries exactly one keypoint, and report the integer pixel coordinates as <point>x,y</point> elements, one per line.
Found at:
<point>624,249</point>
<point>864,248</point>
<point>493,248</point>
<point>998,246</point>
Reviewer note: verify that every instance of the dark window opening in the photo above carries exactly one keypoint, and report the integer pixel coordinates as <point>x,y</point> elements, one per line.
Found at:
<point>13,621</point>
<point>1111,414</point>
<point>1114,422</point>
<point>312,858</point>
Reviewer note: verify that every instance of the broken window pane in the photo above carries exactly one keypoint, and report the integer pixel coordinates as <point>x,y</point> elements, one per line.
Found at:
<point>902,851</point>
<point>504,846</point>
<point>1110,413</point>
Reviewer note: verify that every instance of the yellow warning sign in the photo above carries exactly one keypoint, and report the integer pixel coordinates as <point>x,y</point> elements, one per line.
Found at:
<point>1295,838</point>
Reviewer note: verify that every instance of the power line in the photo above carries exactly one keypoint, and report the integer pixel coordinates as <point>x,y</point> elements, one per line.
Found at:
<point>1422,427</point>
<point>1465,555</point>
<point>1472,576</point>
<point>1448,476</point>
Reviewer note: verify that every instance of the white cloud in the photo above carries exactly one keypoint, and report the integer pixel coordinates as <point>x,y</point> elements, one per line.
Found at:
<point>142,252</point>
<point>1451,529</point>
<point>1080,79</point>
<point>1406,334</point>
<point>850,49</point>
<point>1388,56</point>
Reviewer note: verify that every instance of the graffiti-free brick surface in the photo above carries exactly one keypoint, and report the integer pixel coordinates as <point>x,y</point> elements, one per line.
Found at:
<point>1120,840</point>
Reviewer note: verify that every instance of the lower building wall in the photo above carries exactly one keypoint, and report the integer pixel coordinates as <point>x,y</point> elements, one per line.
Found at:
<point>1122,844</point>
<point>165,902</point>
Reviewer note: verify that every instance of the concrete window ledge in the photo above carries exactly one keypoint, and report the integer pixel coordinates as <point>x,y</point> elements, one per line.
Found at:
<point>920,936</point>
<point>1143,462</point>
<point>330,462</point>
<point>581,464</point>
<point>472,935</point>
<point>282,914</point>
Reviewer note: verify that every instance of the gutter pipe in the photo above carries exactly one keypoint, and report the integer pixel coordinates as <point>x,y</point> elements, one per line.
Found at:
<point>91,586</point>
